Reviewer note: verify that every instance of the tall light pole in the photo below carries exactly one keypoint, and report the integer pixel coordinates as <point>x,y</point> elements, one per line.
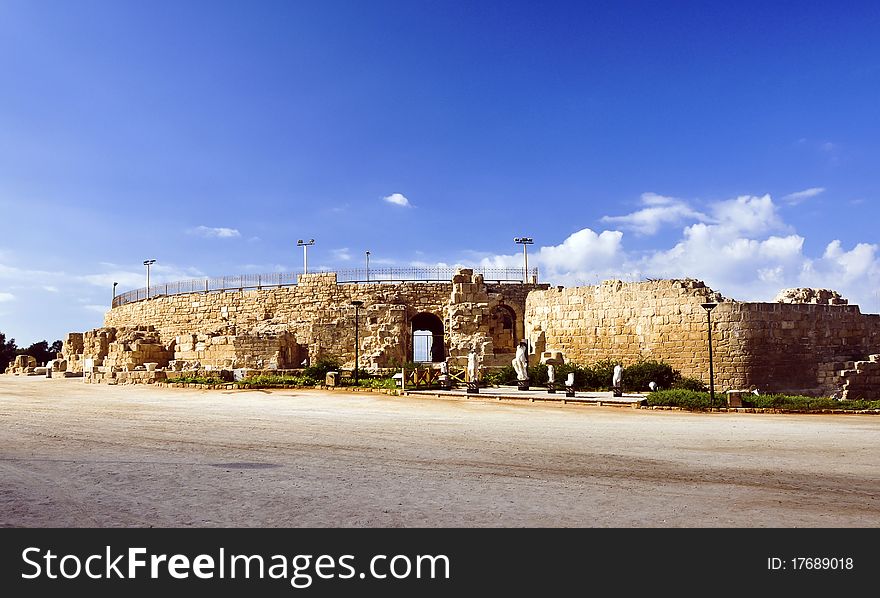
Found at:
<point>368,266</point>
<point>305,246</point>
<point>357,304</point>
<point>709,307</point>
<point>148,263</point>
<point>525,242</point>
<point>114,294</point>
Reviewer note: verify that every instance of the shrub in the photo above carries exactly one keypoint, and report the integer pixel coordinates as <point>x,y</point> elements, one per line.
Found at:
<point>538,375</point>
<point>694,384</point>
<point>275,381</point>
<point>688,399</point>
<point>800,402</point>
<point>196,380</point>
<point>500,376</point>
<point>384,382</point>
<point>638,375</point>
<point>319,369</point>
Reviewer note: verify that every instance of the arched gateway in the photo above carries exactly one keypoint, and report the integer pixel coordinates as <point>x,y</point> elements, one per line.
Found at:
<point>428,342</point>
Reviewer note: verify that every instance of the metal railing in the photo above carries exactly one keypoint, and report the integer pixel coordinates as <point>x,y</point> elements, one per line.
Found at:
<point>243,282</point>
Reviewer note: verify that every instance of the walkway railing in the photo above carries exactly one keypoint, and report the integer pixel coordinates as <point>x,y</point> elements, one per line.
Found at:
<point>283,279</point>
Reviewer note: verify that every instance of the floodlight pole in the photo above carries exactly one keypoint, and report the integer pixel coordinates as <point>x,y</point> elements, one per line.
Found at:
<point>148,263</point>
<point>525,242</point>
<point>368,266</point>
<point>305,246</point>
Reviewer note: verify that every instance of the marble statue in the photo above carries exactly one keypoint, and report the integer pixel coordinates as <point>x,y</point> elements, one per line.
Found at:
<point>473,366</point>
<point>617,380</point>
<point>521,362</point>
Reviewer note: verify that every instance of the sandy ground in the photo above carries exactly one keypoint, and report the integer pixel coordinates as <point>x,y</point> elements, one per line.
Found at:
<point>91,455</point>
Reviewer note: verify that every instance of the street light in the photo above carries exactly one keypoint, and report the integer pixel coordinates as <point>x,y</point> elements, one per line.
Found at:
<point>148,263</point>
<point>114,294</point>
<point>525,242</point>
<point>709,307</point>
<point>368,266</point>
<point>357,304</point>
<point>305,246</point>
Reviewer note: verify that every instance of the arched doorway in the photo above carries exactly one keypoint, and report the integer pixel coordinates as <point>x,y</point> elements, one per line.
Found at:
<point>502,329</point>
<point>428,343</point>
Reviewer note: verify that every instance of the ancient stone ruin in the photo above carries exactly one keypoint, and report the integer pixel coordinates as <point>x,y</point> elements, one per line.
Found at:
<point>807,295</point>
<point>808,341</point>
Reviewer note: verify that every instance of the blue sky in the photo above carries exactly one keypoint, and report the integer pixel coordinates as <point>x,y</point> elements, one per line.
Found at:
<point>736,143</point>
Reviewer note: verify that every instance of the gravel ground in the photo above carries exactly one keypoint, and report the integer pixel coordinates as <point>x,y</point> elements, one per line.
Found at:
<point>76,454</point>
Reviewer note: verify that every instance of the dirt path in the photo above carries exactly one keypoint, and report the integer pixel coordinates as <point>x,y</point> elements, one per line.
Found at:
<point>75,454</point>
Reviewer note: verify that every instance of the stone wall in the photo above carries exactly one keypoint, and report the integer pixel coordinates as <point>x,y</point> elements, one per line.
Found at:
<point>801,345</point>
<point>281,327</point>
<point>770,346</point>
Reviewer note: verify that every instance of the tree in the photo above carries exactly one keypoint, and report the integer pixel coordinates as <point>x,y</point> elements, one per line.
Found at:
<point>7,351</point>
<point>41,351</point>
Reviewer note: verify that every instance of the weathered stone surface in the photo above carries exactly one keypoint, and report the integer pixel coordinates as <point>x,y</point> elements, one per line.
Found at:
<point>801,346</point>
<point>282,327</point>
<point>808,295</point>
<point>771,346</point>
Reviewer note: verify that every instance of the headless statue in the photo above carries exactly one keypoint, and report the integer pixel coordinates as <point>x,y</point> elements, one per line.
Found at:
<point>521,362</point>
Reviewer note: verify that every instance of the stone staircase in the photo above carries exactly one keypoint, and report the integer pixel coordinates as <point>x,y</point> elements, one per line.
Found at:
<point>861,379</point>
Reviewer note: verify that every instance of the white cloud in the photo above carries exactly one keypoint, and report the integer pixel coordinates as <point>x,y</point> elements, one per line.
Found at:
<point>398,199</point>
<point>6,297</point>
<point>50,288</point>
<point>747,214</point>
<point>660,211</point>
<point>264,268</point>
<point>214,232</point>
<point>133,279</point>
<point>97,308</point>
<point>799,196</point>
<point>848,266</point>
<point>743,249</point>
<point>341,254</point>
<point>583,256</point>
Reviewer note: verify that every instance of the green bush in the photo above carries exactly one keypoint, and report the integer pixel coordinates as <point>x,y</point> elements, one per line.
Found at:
<point>319,369</point>
<point>383,382</point>
<point>690,399</point>
<point>800,402</point>
<point>197,380</point>
<point>694,384</point>
<point>637,376</point>
<point>500,376</point>
<point>275,381</point>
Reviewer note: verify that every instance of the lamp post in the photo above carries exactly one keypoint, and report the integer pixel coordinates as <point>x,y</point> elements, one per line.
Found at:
<point>305,246</point>
<point>368,266</point>
<point>357,304</point>
<point>148,263</point>
<point>114,294</point>
<point>525,242</point>
<point>709,307</point>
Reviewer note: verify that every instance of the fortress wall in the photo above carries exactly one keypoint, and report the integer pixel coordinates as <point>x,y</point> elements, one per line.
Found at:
<point>318,319</point>
<point>771,346</point>
<point>798,346</point>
